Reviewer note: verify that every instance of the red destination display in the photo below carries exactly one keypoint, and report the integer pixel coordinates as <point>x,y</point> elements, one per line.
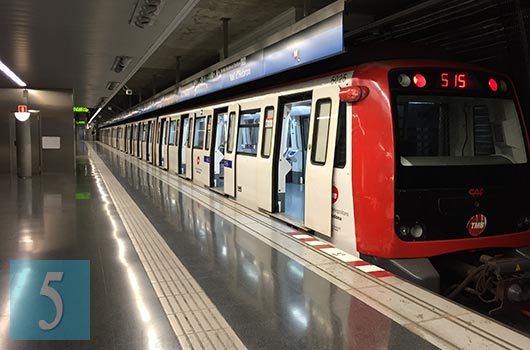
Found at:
<point>454,80</point>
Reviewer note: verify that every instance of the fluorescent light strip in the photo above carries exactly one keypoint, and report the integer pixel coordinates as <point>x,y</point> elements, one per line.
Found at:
<point>11,75</point>
<point>95,115</point>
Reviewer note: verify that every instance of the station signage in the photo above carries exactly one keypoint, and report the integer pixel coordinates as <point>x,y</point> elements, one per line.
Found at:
<point>81,109</point>
<point>311,44</point>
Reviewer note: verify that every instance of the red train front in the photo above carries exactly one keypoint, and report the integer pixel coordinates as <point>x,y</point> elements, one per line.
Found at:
<point>441,187</point>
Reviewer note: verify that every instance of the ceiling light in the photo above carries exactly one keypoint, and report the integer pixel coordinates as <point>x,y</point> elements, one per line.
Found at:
<point>111,85</point>
<point>11,75</point>
<point>120,63</point>
<point>145,12</point>
<point>95,115</point>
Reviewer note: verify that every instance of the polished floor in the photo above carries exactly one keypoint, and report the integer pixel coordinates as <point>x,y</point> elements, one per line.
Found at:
<point>268,299</point>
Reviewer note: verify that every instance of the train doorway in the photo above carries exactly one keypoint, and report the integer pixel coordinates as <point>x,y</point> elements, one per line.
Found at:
<point>149,141</point>
<point>162,143</point>
<point>183,144</point>
<point>218,151</point>
<point>292,157</point>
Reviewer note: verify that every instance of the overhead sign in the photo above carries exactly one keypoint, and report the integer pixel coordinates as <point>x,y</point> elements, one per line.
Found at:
<point>316,42</point>
<point>81,109</point>
<point>23,108</point>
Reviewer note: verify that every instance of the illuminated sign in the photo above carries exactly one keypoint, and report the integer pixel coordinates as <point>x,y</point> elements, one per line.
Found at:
<point>454,80</point>
<point>80,122</point>
<point>432,80</point>
<point>81,109</point>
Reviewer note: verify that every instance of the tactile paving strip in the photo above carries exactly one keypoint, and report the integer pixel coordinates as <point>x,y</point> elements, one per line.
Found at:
<point>194,318</point>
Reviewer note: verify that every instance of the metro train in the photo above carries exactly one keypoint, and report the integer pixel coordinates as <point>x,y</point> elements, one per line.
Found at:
<point>418,166</point>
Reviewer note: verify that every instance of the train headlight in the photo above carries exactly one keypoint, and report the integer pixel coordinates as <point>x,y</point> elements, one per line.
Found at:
<point>404,80</point>
<point>416,231</point>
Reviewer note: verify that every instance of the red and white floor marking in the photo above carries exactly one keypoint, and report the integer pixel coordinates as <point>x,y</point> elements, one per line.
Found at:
<point>349,259</point>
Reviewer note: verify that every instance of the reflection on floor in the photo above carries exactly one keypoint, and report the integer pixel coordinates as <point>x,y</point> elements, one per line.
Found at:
<point>294,201</point>
<point>220,183</point>
<point>271,301</point>
<point>70,217</point>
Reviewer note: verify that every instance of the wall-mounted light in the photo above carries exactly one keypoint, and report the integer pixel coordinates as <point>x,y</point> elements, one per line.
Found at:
<point>22,116</point>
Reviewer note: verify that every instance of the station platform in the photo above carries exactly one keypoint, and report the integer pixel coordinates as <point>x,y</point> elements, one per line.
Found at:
<point>175,266</point>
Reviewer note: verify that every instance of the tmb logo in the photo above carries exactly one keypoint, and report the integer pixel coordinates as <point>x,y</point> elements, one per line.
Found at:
<point>476,192</point>
<point>476,225</point>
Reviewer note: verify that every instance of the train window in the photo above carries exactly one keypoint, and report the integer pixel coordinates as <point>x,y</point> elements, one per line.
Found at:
<point>340,145</point>
<point>248,132</point>
<point>267,132</point>
<point>172,132</point>
<point>208,131</point>
<point>453,130</point>
<point>231,130</point>
<point>321,131</point>
<point>198,138</point>
<point>144,131</point>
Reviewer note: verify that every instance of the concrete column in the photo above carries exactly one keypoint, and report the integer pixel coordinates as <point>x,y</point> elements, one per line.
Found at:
<point>23,130</point>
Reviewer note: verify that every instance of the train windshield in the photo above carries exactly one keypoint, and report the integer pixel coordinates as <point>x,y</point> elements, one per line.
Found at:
<point>454,130</point>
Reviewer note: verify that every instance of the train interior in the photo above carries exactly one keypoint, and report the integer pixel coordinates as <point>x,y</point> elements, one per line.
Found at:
<point>293,157</point>
<point>221,122</point>
<point>184,145</point>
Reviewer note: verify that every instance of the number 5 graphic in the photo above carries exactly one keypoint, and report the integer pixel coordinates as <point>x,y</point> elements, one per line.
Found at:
<point>51,293</point>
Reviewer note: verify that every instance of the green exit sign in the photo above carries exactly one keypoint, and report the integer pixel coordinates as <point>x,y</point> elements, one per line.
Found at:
<point>80,122</point>
<point>81,110</point>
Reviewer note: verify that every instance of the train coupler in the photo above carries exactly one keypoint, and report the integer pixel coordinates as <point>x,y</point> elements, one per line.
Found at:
<point>504,281</point>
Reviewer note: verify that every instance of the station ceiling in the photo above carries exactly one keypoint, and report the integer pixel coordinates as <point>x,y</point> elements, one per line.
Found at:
<point>73,44</point>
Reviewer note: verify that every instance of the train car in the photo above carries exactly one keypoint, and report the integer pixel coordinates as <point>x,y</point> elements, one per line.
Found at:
<point>418,166</point>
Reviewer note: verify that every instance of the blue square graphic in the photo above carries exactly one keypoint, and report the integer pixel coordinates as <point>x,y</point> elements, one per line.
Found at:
<point>50,299</point>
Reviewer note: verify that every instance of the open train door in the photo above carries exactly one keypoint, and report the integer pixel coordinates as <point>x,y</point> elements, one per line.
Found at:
<point>230,154</point>
<point>189,145</point>
<point>265,164</point>
<point>319,167</point>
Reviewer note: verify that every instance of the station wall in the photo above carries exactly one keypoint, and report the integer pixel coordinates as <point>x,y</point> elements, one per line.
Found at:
<point>56,119</point>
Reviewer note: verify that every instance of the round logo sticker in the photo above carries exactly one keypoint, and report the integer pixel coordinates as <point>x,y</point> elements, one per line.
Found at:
<point>476,225</point>
<point>334,194</point>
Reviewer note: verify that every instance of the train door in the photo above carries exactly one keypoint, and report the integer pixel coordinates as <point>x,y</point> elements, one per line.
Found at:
<point>148,148</point>
<point>202,127</point>
<point>142,137</point>
<point>172,145</point>
<point>189,148</point>
<point>321,156</point>
<point>162,142</point>
<point>131,139</point>
<point>217,152</point>
<point>291,159</point>
<point>138,139</point>
<point>183,141</point>
<point>265,164</point>
<point>230,154</point>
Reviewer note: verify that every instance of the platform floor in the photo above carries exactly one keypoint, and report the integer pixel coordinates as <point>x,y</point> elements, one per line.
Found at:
<point>169,273</point>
